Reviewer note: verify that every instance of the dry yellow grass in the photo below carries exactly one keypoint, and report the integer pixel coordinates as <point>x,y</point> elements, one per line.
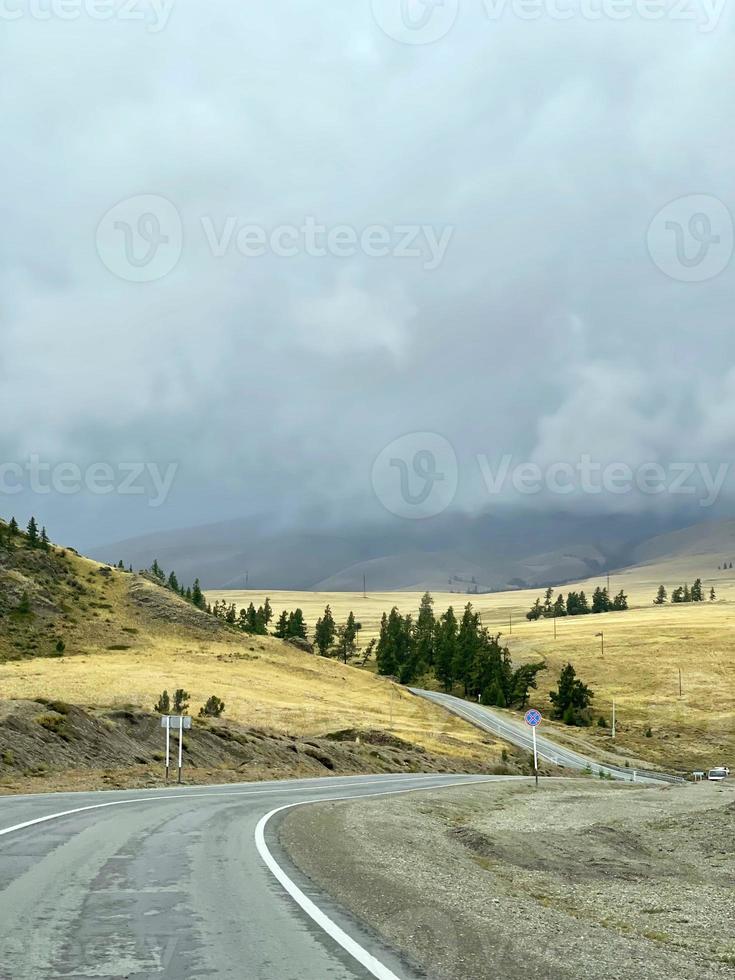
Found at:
<point>644,649</point>
<point>263,681</point>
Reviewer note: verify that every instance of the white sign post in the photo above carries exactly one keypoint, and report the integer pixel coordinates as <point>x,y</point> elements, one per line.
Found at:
<point>533,719</point>
<point>175,721</point>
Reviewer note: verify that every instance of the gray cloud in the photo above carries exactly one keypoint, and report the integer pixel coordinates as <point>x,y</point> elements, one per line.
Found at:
<point>547,331</point>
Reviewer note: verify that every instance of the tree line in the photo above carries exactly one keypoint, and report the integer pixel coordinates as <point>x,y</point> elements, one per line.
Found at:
<point>684,593</point>
<point>459,652</point>
<point>33,537</point>
<point>576,604</point>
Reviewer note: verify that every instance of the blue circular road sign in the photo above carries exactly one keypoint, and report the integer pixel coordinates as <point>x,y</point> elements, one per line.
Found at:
<point>533,717</point>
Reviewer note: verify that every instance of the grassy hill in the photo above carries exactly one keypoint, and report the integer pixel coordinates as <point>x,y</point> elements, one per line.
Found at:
<point>645,648</point>
<point>125,639</point>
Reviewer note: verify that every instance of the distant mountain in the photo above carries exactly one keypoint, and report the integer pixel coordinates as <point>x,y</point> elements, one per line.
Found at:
<point>715,538</point>
<point>454,551</point>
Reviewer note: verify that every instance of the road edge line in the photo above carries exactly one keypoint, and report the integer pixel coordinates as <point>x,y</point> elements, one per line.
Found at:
<point>350,945</point>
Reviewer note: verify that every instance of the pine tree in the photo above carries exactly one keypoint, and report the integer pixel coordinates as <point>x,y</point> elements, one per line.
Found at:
<point>13,527</point>
<point>296,624</point>
<point>325,632</point>
<point>347,639</point>
<point>660,596</point>
<point>163,705</point>
<point>712,595</point>
<point>547,601</point>
<point>157,571</point>
<point>536,611</point>
<point>571,698</point>
<point>281,630</point>
<point>697,594</point>
<point>687,595</point>
<point>678,594</point>
<point>197,596</point>
<point>620,602</point>
<point>560,608</point>
<point>468,645</point>
<point>32,533</point>
<point>173,582</point>
<point>445,649</point>
<point>424,635</point>
<point>44,541</point>
<point>181,701</point>
<point>267,611</point>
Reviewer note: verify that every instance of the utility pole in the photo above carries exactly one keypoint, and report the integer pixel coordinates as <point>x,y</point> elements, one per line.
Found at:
<point>602,642</point>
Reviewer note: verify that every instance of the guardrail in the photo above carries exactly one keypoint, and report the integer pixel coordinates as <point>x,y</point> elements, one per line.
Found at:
<point>558,755</point>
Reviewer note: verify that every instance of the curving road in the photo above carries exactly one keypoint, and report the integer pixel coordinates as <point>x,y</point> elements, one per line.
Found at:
<point>518,733</point>
<point>186,882</point>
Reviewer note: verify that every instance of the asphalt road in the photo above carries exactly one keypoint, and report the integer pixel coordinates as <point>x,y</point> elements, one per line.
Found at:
<point>178,883</point>
<point>518,733</point>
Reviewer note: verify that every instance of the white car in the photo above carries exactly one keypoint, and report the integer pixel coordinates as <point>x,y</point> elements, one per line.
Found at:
<point>718,773</point>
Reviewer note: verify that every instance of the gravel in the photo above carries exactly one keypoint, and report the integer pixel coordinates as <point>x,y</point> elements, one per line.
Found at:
<point>579,879</point>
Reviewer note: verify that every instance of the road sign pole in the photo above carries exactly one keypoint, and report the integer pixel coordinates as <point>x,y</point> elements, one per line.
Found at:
<point>168,745</point>
<point>535,756</point>
<point>181,743</point>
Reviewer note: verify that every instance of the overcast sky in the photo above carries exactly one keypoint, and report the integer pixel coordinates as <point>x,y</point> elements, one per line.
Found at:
<point>519,160</point>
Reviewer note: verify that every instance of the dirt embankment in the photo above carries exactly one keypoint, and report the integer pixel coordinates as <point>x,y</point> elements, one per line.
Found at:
<point>51,745</point>
<point>579,879</point>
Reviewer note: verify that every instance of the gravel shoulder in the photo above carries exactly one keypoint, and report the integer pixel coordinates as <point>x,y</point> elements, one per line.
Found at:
<point>577,879</point>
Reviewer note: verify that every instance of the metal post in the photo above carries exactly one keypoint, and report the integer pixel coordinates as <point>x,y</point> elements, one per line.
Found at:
<point>535,756</point>
<point>168,745</point>
<point>613,720</point>
<point>181,744</point>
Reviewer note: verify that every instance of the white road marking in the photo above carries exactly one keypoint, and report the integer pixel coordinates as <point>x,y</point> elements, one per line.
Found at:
<point>189,796</point>
<point>366,959</point>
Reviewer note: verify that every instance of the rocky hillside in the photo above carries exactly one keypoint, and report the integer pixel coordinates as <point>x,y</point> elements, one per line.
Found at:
<point>53,745</point>
<point>53,601</point>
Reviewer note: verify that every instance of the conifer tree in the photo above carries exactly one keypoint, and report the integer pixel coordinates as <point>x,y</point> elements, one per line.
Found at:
<point>445,649</point>
<point>325,632</point>
<point>197,596</point>
<point>44,540</point>
<point>281,630</point>
<point>32,533</point>
<point>660,596</point>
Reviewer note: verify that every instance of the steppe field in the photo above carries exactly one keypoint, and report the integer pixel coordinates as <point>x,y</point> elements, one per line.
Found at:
<point>644,650</point>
